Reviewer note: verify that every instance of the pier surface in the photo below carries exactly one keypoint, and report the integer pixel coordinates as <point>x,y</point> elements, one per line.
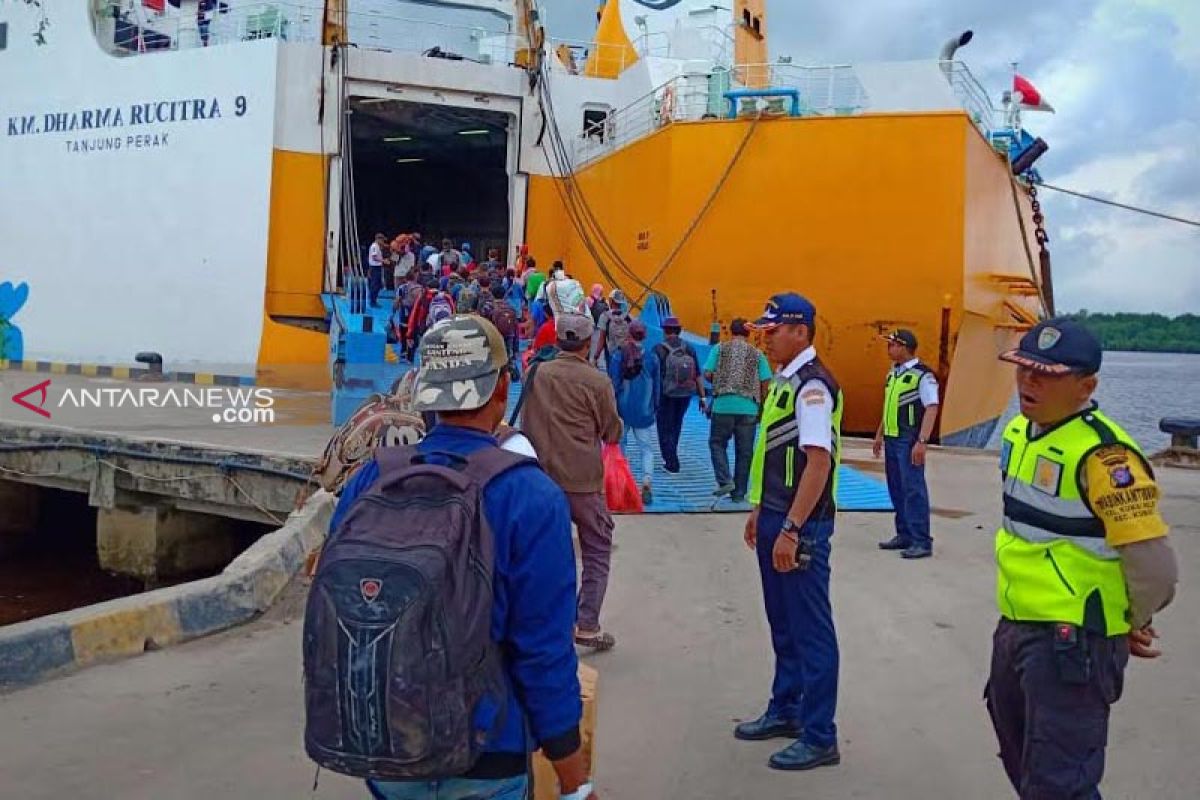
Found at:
<point>222,717</point>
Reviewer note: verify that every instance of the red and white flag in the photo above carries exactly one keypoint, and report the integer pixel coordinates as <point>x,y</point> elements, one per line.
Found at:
<point>1026,95</point>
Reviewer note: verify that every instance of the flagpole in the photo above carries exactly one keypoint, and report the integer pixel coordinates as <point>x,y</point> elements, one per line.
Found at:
<point>1015,103</point>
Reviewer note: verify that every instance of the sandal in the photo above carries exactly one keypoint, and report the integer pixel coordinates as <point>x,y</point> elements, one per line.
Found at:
<point>599,642</point>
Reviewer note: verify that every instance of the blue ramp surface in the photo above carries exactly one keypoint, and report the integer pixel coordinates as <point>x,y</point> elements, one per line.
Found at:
<point>691,491</point>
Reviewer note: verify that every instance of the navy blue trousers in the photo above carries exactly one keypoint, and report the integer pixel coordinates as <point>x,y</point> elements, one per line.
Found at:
<point>374,282</point>
<point>802,633</point>
<point>1053,729</point>
<point>910,495</point>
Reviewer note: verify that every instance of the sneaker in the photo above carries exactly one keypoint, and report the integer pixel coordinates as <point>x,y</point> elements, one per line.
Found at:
<point>917,552</point>
<point>723,489</point>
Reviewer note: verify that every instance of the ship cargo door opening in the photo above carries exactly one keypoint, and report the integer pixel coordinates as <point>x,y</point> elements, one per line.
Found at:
<point>438,169</point>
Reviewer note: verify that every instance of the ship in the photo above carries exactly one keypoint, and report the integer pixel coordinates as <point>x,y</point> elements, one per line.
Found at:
<point>198,179</point>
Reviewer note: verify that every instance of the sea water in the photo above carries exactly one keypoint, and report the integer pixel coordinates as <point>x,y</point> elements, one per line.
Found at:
<point>1137,390</point>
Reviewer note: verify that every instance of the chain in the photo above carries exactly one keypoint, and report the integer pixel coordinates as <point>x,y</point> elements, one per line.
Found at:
<point>1043,238</point>
<point>1039,219</point>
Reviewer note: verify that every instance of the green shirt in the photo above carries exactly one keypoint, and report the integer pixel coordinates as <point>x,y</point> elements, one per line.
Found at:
<point>735,403</point>
<point>532,284</point>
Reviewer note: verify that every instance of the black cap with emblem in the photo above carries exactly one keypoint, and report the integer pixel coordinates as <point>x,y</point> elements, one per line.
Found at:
<point>1058,346</point>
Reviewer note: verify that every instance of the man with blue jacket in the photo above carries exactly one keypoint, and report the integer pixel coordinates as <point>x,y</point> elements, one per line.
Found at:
<point>464,381</point>
<point>637,381</point>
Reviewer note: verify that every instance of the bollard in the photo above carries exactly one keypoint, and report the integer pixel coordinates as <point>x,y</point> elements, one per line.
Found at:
<point>154,364</point>
<point>1185,431</point>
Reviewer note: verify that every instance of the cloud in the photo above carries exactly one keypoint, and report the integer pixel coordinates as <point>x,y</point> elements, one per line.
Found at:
<point>1125,78</point>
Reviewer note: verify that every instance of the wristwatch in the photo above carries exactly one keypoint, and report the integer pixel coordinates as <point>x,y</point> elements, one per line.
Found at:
<point>789,527</point>
<point>582,793</point>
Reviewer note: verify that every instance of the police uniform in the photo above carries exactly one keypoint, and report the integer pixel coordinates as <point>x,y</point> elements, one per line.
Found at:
<point>1074,493</point>
<point>910,389</point>
<point>803,408</point>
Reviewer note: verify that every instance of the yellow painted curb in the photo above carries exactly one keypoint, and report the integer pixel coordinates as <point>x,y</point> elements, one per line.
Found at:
<point>124,633</point>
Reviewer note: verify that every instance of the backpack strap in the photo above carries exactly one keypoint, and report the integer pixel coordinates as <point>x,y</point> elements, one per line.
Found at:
<point>525,385</point>
<point>488,463</point>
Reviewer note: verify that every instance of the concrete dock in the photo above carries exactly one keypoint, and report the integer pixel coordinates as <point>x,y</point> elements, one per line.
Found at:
<point>222,717</point>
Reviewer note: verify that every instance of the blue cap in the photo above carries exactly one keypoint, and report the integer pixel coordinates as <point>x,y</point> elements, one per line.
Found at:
<point>1056,347</point>
<point>786,309</point>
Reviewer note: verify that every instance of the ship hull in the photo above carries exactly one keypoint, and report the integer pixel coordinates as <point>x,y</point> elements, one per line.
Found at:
<point>883,221</point>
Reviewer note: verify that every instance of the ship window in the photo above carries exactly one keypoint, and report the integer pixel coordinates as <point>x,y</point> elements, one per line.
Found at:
<point>594,122</point>
<point>3,35</point>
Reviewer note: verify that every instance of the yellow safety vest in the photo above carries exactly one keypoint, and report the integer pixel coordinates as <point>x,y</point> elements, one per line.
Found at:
<point>779,461</point>
<point>902,406</point>
<point>1053,562</point>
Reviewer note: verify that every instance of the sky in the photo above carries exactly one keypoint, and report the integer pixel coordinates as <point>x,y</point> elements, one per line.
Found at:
<point>1124,77</point>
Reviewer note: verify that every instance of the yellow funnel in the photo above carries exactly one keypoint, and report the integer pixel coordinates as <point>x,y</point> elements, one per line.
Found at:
<point>613,52</point>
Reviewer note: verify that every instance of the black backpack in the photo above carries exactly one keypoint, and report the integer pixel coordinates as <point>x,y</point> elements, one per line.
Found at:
<point>401,677</point>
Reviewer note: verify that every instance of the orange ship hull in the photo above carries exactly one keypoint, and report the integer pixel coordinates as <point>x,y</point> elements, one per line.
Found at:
<point>881,220</point>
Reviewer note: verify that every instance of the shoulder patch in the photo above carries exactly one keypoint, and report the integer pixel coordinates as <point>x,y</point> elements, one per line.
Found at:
<point>813,397</point>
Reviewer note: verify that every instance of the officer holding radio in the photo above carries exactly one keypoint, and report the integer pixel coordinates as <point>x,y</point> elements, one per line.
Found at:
<point>1083,563</point>
<point>792,489</point>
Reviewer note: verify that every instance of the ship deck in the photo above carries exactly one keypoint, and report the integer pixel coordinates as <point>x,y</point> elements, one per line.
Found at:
<point>222,717</point>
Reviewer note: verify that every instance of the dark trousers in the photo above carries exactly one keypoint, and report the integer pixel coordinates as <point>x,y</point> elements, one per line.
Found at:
<point>741,428</point>
<point>910,495</point>
<point>374,282</point>
<point>671,411</point>
<point>1053,728</point>
<point>590,514</point>
<point>802,632</point>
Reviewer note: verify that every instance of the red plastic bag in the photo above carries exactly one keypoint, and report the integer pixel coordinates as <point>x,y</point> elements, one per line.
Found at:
<point>621,491</point>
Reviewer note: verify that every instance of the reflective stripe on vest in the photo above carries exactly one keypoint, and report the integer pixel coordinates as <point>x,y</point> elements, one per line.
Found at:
<point>778,459</point>
<point>902,406</point>
<point>1053,562</point>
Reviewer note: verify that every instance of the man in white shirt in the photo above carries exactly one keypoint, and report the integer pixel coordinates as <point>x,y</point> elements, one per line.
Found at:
<point>791,489</point>
<point>910,409</point>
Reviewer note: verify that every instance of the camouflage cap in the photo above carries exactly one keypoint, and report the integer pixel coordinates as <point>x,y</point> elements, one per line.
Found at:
<point>461,361</point>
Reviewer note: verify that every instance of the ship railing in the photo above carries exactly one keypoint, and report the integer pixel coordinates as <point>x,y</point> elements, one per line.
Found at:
<point>972,96</point>
<point>824,91</point>
<point>303,22</point>
<point>829,89</point>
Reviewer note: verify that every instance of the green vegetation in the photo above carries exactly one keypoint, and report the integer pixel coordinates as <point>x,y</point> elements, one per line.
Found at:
<point>1150,333</point>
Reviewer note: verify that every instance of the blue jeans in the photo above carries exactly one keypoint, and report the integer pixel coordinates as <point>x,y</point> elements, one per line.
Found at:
<point>451,789</point>
<point>802,632</point>
<point>910,495</point>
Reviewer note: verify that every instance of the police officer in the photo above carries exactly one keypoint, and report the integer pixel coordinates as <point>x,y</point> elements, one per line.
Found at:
<point>792,491</point>
<point>910,407</point>
<point>1083,562</point>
